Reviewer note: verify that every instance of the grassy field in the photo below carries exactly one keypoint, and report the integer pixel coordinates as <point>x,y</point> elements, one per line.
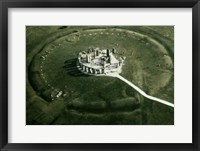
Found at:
<point>51,69</point>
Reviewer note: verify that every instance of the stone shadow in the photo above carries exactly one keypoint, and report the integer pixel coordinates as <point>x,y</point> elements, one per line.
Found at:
<point>71,68</point>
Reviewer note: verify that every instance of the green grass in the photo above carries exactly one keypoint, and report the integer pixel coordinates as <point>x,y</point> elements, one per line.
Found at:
<point>98,100</point>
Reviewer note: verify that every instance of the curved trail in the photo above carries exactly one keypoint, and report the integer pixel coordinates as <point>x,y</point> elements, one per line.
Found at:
<point>140,91</point>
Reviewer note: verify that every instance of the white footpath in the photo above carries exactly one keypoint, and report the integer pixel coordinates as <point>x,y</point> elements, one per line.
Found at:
<point>140,91</point>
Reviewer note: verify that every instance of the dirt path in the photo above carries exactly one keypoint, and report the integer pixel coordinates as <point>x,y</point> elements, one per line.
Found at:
<point>140,91</point>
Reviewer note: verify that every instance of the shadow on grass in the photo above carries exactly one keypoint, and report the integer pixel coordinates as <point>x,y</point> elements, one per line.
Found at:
<point>71,68</point>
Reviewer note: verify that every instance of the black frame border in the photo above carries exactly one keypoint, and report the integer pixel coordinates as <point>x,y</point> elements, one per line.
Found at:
<point>5,4</point>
